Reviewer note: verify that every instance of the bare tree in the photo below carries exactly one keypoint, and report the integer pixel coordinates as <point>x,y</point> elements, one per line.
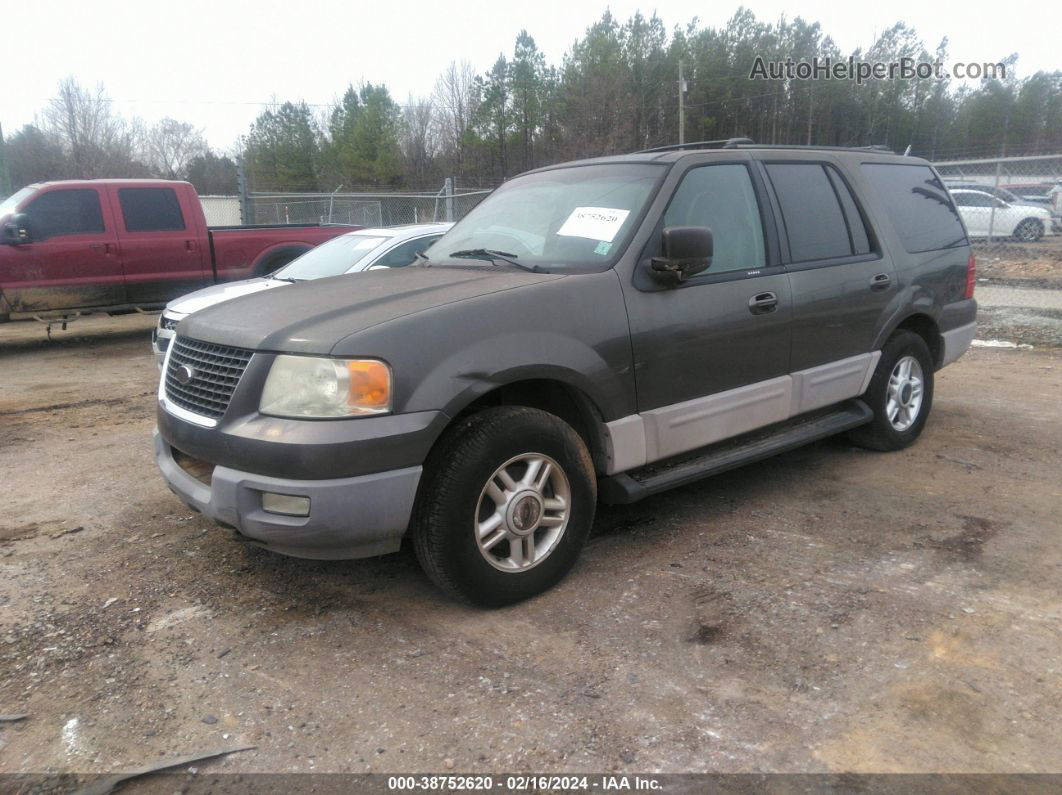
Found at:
<point>417,138</point>
<point>456,100</point>
<point>99,142</point>
<point>170,145</point>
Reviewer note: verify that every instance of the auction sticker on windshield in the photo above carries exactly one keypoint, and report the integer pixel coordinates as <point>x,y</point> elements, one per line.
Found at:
<point>595,223</point>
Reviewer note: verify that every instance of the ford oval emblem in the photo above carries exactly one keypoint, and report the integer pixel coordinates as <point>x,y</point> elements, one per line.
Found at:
<point>184,374</point>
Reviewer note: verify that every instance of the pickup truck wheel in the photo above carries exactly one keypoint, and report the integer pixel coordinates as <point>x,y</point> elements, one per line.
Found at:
<point>506,505</point>
<point>900,394</point>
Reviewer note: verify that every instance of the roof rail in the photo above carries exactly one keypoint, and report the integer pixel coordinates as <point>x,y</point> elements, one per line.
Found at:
<point>871,148</point>
<point>722,143</point>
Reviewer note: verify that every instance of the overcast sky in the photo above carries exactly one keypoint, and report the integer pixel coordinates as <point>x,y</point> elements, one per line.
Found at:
<point>214,63</point>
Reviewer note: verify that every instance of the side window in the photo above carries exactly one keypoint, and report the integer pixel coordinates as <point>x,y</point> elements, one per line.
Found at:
<point>918,205</point>
<point>150,209</point>
<point>404,254</point>
<point>65,212</point>
<point>980,200</point>
<point>811,211</point>
<point>857,229</point>
<point>721,197</point>
<point>962,199</point>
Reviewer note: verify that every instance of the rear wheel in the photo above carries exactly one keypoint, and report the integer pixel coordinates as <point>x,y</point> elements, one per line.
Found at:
<point>1029,230</point>
<point>900,394</point>
<point>506,506</point>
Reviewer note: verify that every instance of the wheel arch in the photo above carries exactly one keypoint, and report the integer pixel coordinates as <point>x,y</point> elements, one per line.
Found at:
<point>550,394</point>
<point>926,327</point>
<point>277,256</point>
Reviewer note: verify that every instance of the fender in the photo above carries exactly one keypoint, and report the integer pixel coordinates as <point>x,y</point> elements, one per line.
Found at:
<point>911,301</point>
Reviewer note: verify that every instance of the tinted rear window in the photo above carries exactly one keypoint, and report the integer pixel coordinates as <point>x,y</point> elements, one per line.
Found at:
<point>918,205</point>
<point>150,209</point>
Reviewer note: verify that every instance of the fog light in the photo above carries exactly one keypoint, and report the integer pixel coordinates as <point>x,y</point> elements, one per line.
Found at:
<point>285,504</point>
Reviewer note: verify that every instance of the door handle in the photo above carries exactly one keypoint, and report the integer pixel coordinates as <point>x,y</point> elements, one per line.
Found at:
<point>189,246</point>
<point>762,303</point>
<point>105,247</point>
<point>880,282</point>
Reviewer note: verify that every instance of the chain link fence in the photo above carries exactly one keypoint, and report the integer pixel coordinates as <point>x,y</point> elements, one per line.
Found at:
<point>358,209</point>
<point>1012,208</point>
<point>363,209</point>
<point>221,210</point>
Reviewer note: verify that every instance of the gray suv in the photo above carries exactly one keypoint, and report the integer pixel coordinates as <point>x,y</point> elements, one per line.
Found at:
<point>603,329</point>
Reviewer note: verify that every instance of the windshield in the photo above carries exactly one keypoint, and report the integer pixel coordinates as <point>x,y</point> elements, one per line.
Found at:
<point>337,256</point>
<point>9,204</point>
<point>563,218</point>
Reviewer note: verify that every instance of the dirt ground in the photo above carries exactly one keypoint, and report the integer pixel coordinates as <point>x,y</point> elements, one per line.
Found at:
<point>828,610</point>
<point>1010,262</point>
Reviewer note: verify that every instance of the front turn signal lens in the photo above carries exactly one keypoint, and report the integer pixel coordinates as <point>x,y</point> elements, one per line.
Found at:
<point>370,384</point>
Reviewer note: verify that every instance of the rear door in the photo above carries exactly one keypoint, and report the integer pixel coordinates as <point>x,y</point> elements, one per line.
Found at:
<point>842,283</point>
<point>161,252</point>
<point>73,260</point>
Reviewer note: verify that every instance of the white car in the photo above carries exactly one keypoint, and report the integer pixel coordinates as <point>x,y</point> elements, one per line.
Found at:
<point>985,215</point>
<point>385,247</point>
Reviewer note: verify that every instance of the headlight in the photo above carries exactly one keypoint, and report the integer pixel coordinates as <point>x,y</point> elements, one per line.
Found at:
<point>308,386</point>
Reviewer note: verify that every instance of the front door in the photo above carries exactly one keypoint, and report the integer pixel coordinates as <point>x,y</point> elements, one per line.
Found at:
<point>711,355</point>
<point>72,259</point>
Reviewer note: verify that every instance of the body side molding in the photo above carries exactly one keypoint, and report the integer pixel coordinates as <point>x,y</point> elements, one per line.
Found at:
<point>649,436</point>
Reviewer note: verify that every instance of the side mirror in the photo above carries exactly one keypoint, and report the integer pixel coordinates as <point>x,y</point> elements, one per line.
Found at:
<point>688,251</point>
<point>17,230</point>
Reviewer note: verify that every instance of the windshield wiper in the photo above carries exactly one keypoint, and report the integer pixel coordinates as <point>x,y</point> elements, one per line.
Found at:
<point>289,279</point>
<point>492,256</point>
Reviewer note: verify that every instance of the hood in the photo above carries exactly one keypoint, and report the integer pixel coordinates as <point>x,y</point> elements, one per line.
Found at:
<point>312,316</point>
<point>208,296</point>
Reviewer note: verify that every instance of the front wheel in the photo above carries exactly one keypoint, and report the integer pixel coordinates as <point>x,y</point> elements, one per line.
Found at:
<point>900,394</point>
<point>1029,230</point>
<point>507,503</point>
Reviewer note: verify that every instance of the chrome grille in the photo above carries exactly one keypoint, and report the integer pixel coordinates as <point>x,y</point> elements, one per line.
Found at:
<point>216,370</point>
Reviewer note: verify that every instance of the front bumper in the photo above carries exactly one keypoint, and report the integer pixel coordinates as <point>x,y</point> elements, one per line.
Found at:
<point>350,517</point>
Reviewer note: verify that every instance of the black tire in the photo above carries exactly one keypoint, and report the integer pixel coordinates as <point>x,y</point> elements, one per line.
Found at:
<point>881,434</point>
<point>444,525</point>
<point>1029,230</point>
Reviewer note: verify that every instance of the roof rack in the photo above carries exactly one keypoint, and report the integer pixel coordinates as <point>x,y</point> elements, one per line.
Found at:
<point>722,143</point>
<point>741,143</point>
<point>871,148</point>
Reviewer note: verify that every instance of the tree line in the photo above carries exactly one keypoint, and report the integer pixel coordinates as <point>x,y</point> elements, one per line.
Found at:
<point>615,90</point>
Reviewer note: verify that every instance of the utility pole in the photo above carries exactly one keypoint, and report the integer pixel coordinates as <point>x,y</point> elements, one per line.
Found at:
<point>246,211</point>
<point>682,106</point>
<point>5,177</point>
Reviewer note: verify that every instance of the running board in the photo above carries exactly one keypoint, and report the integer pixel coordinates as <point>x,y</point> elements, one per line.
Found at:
<point>632,486</point>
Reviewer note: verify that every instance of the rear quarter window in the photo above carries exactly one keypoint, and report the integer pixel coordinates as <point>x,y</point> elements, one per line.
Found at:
<point>918,204</point>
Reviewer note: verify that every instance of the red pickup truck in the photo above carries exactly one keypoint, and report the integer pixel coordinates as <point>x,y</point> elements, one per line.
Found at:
<point>113,245</point>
